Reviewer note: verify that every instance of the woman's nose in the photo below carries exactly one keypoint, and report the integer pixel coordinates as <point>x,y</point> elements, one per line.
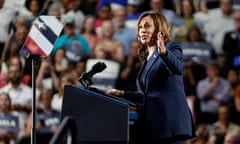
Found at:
<point>142,30</point>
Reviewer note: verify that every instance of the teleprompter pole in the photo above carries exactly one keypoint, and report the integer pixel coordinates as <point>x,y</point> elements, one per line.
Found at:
<point>34,59</point>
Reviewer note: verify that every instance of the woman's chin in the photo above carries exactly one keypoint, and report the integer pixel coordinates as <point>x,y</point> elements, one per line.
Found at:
<point>144,42</point>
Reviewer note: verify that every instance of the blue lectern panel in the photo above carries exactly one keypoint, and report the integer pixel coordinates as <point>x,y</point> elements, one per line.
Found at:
<point>99,118</point>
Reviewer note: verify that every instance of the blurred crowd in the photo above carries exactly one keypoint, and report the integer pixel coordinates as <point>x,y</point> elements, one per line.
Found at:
<point>208,30</point>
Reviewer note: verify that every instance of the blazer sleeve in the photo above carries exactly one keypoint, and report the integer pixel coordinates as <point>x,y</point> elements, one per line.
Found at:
<point>133,96</point>
<point>174,58</point>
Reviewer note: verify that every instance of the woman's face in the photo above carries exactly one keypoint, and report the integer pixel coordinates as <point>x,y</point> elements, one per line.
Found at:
<point>146,30</point>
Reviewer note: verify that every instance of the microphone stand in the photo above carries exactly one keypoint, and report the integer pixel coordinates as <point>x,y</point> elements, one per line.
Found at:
<point>85,80</point>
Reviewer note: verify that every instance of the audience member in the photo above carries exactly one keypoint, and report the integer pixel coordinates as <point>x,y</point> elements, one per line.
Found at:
<point>47,76</point>
<point>19,22</point>
<point>3,75</point>
<point>104,13</point>
<point>212,139</point>
<point>9,123</point>
<point>80,68</point>
<point>65,79</point>
<point>232,138</point>
<point>197,52</point>
<point>54,9</point>
<point>231,45</point>
<point>123,33</point>
<point>133,13</point>
<point>220,22</point>
<point>235,108</point>
<point>7,16</point>
<point>59,61</point>
<point>64,6</point>
<point>47,119</point>
<point>114,4</point>
<point>77,14</point>
<point>89,31</point>
<point>205,5</point>
<point>75,45</point>
<point>196,48</point>
<point>46,7</point>
<point>20,94</point>
<point>184,21</point>
<point>212,91</point>
<point>224,124</point>
<point>109,47</point>
<point>35,7</point>
<point>14,43</point>
<point>202,133</point>
<point>129,69</point>
<point>158,6</point>
<point>233,78</point>
<point>16,61</point>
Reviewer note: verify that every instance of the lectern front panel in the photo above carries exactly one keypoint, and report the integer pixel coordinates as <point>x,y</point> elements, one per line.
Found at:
<point>99,118</point>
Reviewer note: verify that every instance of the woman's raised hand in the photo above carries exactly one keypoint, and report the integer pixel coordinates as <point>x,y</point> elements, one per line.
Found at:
<point>161,44</point>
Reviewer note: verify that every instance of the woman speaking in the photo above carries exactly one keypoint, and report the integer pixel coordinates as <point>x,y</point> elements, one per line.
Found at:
<point>167,118</point>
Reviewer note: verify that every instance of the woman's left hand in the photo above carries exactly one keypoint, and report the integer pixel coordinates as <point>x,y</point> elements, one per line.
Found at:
<point>115,92</point>
<point>161,44</point>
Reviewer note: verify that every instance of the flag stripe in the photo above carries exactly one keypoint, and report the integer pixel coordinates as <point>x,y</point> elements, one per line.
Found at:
<point>47,32</point>
<point>33,47</point>
<point>54,23</point>
<point>40,40</point>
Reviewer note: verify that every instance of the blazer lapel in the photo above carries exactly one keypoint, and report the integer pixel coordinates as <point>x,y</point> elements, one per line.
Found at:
<point>145,70</point>
<point>149,67</point>
<point>140,73</point>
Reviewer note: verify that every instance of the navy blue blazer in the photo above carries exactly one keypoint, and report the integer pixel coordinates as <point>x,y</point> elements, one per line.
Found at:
<point>161,91</point>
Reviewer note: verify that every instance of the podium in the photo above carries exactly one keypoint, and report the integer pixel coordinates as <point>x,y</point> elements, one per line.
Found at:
<point>100,119</point>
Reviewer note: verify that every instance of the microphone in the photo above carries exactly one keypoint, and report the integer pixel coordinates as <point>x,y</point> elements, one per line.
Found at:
<point>86,77</point>
<point>98,67</point>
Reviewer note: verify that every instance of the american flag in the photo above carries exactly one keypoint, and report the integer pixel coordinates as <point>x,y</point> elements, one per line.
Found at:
<point>42,36</point>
